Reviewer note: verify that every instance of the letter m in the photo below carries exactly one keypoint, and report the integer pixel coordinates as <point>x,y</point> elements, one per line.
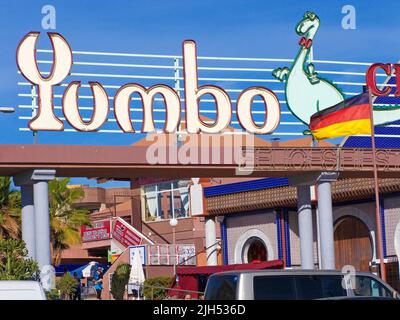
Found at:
<point>122,107</point>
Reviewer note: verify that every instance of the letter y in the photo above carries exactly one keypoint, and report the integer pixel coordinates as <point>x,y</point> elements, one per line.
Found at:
<point>27,64</point>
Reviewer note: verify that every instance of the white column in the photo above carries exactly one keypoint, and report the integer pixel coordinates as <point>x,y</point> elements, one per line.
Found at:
<point>36,220</point>
<point>318,238</point>
<point>211,242</point>
<point>324,212</point>
<point>28,220</point>
<point>305,226</point>
<point>326,225</point>
<point>42,223</point>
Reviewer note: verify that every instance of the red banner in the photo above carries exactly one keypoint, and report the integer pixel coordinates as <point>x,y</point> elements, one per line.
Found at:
<point>100,230</point>
<point>125,235</point>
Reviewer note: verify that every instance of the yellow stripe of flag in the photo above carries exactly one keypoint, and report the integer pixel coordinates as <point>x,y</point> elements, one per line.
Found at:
<point>342,129</point>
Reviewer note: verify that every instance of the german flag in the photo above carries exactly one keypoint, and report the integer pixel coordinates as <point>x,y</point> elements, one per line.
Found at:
<point>347,118</point>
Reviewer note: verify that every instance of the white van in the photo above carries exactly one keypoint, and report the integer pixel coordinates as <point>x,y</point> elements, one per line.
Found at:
<point>21,290</point>
<point>295,285</point>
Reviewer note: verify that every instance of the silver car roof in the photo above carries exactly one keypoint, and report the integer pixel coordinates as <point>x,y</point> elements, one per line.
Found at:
<point>275,272</point>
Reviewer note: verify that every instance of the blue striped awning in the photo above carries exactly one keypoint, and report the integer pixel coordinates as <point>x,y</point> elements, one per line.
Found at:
<point>392,129</point>
<point>243,186</point>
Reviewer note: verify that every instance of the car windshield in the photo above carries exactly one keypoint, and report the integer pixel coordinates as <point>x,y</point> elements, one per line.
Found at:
<point>370,287</point>
<point>319,286</point>
<point>322,286</point>
<point>221,288</point>
<point>289,287</point>
<point>274,288</point>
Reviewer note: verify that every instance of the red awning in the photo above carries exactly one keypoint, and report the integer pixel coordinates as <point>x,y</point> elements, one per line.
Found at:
<point>207,270</point>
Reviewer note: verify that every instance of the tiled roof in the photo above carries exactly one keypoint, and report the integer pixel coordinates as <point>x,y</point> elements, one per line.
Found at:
<point>342,190</point>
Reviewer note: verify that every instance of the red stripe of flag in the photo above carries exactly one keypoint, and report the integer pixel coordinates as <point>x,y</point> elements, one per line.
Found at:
<point>356,112</point>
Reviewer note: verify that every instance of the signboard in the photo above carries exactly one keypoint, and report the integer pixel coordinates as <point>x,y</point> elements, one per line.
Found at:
<point>164,254</point>
<point>124,235</point>
<point>46,119</point>
<point>186,254</point>
<point>100,230</point>
<point>115,251</point>
<point>305,90</point>
<point>142,251</point>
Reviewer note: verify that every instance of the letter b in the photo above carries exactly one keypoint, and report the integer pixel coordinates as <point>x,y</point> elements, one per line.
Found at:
<point>193,93</point>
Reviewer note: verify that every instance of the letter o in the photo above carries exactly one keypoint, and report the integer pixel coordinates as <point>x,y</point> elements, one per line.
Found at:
<point>272,110</point>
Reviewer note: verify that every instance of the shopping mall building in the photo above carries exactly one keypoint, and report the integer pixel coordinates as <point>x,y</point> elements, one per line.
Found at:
<point>253,219</point>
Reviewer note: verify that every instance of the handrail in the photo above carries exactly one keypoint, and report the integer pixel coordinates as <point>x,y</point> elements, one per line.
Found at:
<point>166,289</point>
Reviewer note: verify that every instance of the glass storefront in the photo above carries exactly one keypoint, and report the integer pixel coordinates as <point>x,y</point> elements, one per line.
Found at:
<point>166,200</point>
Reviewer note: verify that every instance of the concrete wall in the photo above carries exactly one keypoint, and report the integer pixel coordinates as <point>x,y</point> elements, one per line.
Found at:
<point>242,227</point>
<point>295,239</point>
<point>95,196</point>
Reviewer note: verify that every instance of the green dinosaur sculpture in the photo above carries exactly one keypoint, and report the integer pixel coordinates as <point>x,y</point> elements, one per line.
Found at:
<point>306,92</point>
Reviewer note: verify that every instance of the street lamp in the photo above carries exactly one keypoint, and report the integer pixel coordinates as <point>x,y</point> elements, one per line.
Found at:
<point>173,223</point>
<point>7,110</point>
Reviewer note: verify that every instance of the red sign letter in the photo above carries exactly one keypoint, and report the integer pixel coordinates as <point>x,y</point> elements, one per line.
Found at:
<point>371,79</point>
<point>397,71</point>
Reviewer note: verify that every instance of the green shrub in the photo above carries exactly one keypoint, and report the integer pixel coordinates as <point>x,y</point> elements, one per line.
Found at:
<point>53,294</point>
<point>14,264</point>
<point>157,293</point>
<point>119,281</point>
<point>65,285</point>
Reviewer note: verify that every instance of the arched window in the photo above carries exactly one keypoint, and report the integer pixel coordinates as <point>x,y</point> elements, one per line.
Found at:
<point>254,250</point>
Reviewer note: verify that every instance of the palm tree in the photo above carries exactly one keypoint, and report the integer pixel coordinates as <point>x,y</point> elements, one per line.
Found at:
<point>65,218</point>
<point>10,210</point>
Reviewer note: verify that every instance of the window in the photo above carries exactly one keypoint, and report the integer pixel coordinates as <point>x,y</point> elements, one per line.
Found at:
<point>319,286</point>
<point>370,287</point>
<point>274,288</point>
<point>166,200</point>
<point>257,251</point>
<point>221,287</point>
<point>254,249</point>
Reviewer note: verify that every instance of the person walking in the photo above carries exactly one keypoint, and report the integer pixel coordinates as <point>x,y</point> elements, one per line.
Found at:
<point>77,288</point>
<point>98,282</point>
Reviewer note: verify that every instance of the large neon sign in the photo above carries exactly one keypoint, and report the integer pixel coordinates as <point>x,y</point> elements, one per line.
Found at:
<point>61,67</point>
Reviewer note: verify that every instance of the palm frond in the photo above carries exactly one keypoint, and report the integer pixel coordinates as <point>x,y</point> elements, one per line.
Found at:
<point>65,218</point>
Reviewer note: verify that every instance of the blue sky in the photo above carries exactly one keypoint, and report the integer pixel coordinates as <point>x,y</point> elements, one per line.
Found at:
<point>221,28</point>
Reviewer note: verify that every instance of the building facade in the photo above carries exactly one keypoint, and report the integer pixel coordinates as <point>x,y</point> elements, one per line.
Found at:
<point>260,222</point>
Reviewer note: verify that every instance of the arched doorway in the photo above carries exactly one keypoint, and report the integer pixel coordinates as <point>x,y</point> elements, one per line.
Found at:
<point>353,245</point>
<point>254,249</point>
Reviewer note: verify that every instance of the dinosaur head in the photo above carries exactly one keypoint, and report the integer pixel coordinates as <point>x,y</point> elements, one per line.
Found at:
<point>308,26</point>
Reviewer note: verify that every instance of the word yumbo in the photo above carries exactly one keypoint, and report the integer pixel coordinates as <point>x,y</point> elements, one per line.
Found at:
<point>62,64</point>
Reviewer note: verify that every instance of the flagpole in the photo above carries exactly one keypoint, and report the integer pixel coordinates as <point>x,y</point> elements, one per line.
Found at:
<point>379,243</point>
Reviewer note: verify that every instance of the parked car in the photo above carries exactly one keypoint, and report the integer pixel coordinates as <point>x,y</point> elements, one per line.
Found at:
<point>21,290</point>
<point>295,285</point>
